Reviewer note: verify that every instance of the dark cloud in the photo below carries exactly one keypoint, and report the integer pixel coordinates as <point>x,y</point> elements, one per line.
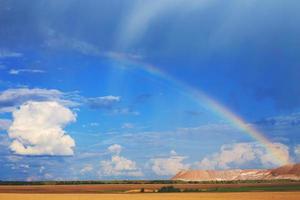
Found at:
<point>125,111</point>
<point>192,113</point>
<point>286,120</point>
<point>11,98</point>
<point>105,102</point>
<point>142,98</point>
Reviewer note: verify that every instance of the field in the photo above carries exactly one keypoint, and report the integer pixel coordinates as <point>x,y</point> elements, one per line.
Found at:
<point>156,196</point>
<point>219,191</point>
<point>149,188</point>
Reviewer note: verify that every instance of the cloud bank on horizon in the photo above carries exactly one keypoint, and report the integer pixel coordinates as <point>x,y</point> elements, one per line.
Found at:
<point>75,104</point>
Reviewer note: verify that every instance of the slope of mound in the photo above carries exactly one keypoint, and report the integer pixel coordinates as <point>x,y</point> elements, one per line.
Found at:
<point>291,171</point>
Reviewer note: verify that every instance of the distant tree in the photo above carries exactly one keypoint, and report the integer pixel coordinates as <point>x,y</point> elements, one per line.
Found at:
<point>169,189</point>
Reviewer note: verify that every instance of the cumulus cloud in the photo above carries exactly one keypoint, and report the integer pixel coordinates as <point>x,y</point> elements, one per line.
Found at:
<point>269,160</point>
<point>12,98</point>
<point>168,166</point>
<point>118,165</point>
<point>115,149</point>
<point>86,169</point>
<point>106,102</point>
<point>18,71</point>
<point>37,129</point>
<point>241,154</point>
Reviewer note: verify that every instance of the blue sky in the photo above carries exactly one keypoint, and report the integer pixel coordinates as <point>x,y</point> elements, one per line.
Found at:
<point>77,103</point>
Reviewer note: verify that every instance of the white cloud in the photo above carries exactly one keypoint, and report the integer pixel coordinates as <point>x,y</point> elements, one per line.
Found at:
<point>94,124</point>
<point>41,169</point>
<point>208,128</point>
<point>229,154</point>
<point>269,160</point>
<point>4,124</point>
<point>37,129</point>
<point>118,165</point>
<point>86,169</point>
<point>115,149</point>
<point>14,158</point>
<point>18,71</point>
<point>123,56</point>
<point>168,166</point>
<point>24,166</point>
<point>60,41</point>
<point>12,98</point>
<point>241,154</point>
<point>127,125</point>
<point>173,152</point>
<point>297,150</point>
<point>9,54</point>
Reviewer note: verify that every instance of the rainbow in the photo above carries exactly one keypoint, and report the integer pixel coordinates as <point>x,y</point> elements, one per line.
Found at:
<point>213,105</point>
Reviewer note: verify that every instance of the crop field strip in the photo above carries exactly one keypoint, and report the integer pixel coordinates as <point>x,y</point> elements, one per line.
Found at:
<point>158,196</point>
<point>123,188</point>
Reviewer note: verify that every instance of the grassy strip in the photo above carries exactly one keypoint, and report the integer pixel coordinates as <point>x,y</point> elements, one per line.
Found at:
<point>263,188</point>
<point>239,189</point>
